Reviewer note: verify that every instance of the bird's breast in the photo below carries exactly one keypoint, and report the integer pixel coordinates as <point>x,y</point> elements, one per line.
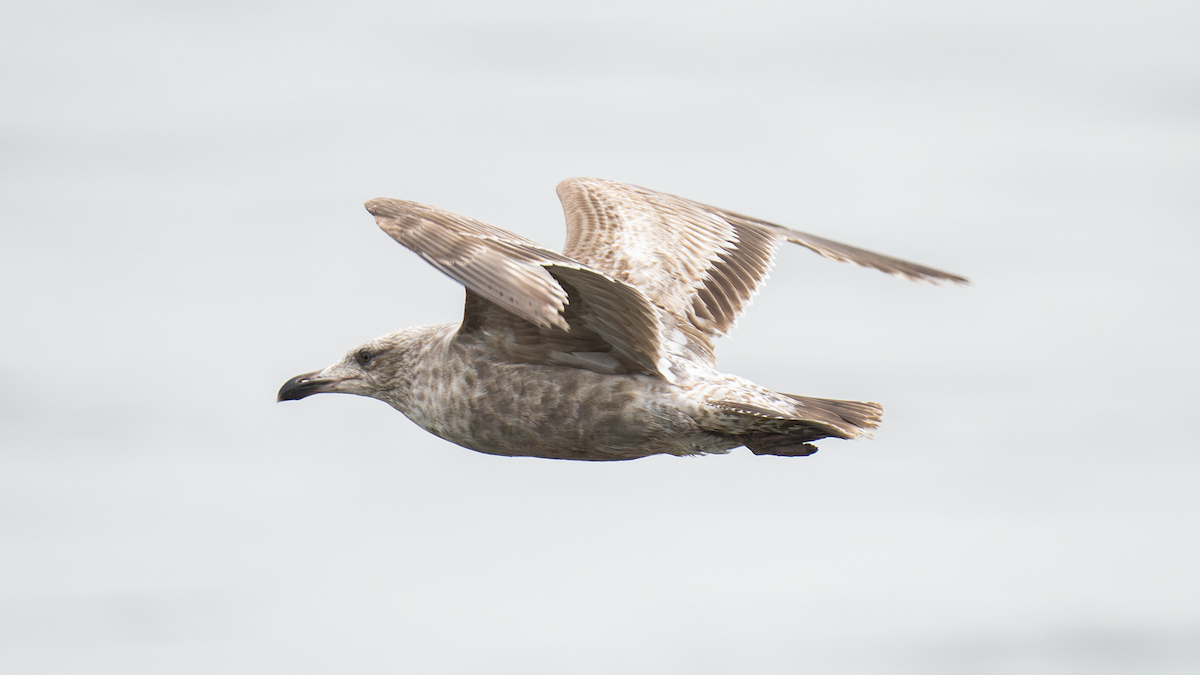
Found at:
<point>520,409</point>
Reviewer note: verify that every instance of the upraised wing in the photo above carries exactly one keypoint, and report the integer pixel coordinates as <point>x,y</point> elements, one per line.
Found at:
<point>699,263</point>
<point>541,305</point>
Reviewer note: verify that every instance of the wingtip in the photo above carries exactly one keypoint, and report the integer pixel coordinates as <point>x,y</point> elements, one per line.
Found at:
<point>952,278</point>
<point>938,276</point>
<point>377,206</point>
<point>567,185</point>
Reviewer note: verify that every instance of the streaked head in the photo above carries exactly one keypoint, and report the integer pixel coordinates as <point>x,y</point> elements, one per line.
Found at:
<point>378,368</point>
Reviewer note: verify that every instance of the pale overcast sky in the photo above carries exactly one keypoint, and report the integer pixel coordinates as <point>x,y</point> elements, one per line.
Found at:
<point>181,230</point>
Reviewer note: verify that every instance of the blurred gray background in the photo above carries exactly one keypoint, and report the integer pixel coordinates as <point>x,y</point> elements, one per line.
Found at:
<point>182,231</point>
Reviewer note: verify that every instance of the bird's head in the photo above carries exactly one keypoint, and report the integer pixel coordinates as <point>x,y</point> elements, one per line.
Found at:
<point>379,368</point>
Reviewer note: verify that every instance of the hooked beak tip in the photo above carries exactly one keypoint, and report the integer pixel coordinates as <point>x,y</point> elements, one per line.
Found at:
<point>302,386</point>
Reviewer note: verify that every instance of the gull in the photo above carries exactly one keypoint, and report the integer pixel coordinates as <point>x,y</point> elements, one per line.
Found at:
<point>601,352</point>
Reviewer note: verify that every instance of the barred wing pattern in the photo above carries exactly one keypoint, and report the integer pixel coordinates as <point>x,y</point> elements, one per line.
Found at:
<point>517,287</point>
<point>699,263</point>
<point>645,283</point>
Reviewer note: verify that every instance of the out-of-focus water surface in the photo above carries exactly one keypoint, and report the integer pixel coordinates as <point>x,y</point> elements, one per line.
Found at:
<point>182,230</point>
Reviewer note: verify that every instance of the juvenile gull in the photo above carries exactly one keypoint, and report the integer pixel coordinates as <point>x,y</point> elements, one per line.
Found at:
<point>603,351</point>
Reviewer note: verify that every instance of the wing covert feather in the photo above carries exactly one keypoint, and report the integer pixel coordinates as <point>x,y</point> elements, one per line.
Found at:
<point>700,263</point>
<point>517,284</point>
<point>503,267</point>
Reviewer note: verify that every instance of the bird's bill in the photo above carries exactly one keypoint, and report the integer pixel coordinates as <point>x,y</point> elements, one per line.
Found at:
<point>307,384</point>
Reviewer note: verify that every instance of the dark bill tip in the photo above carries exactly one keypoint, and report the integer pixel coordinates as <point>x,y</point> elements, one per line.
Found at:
<point>304,385</point>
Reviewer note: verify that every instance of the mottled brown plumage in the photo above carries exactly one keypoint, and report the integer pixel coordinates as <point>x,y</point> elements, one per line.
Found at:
<point>603,351</point>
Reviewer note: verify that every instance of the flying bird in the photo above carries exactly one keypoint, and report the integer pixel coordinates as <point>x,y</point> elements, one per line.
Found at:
<point>603,351</point>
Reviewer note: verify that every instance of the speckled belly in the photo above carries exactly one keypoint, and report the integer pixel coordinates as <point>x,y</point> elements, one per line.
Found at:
<point>560,413</point>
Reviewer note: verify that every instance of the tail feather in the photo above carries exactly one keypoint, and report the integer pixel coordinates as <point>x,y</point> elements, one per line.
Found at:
<point>862,416</point>
<point>791,421</point>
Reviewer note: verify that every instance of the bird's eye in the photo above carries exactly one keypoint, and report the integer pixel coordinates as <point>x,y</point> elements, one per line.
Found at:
<point>364,357</point>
